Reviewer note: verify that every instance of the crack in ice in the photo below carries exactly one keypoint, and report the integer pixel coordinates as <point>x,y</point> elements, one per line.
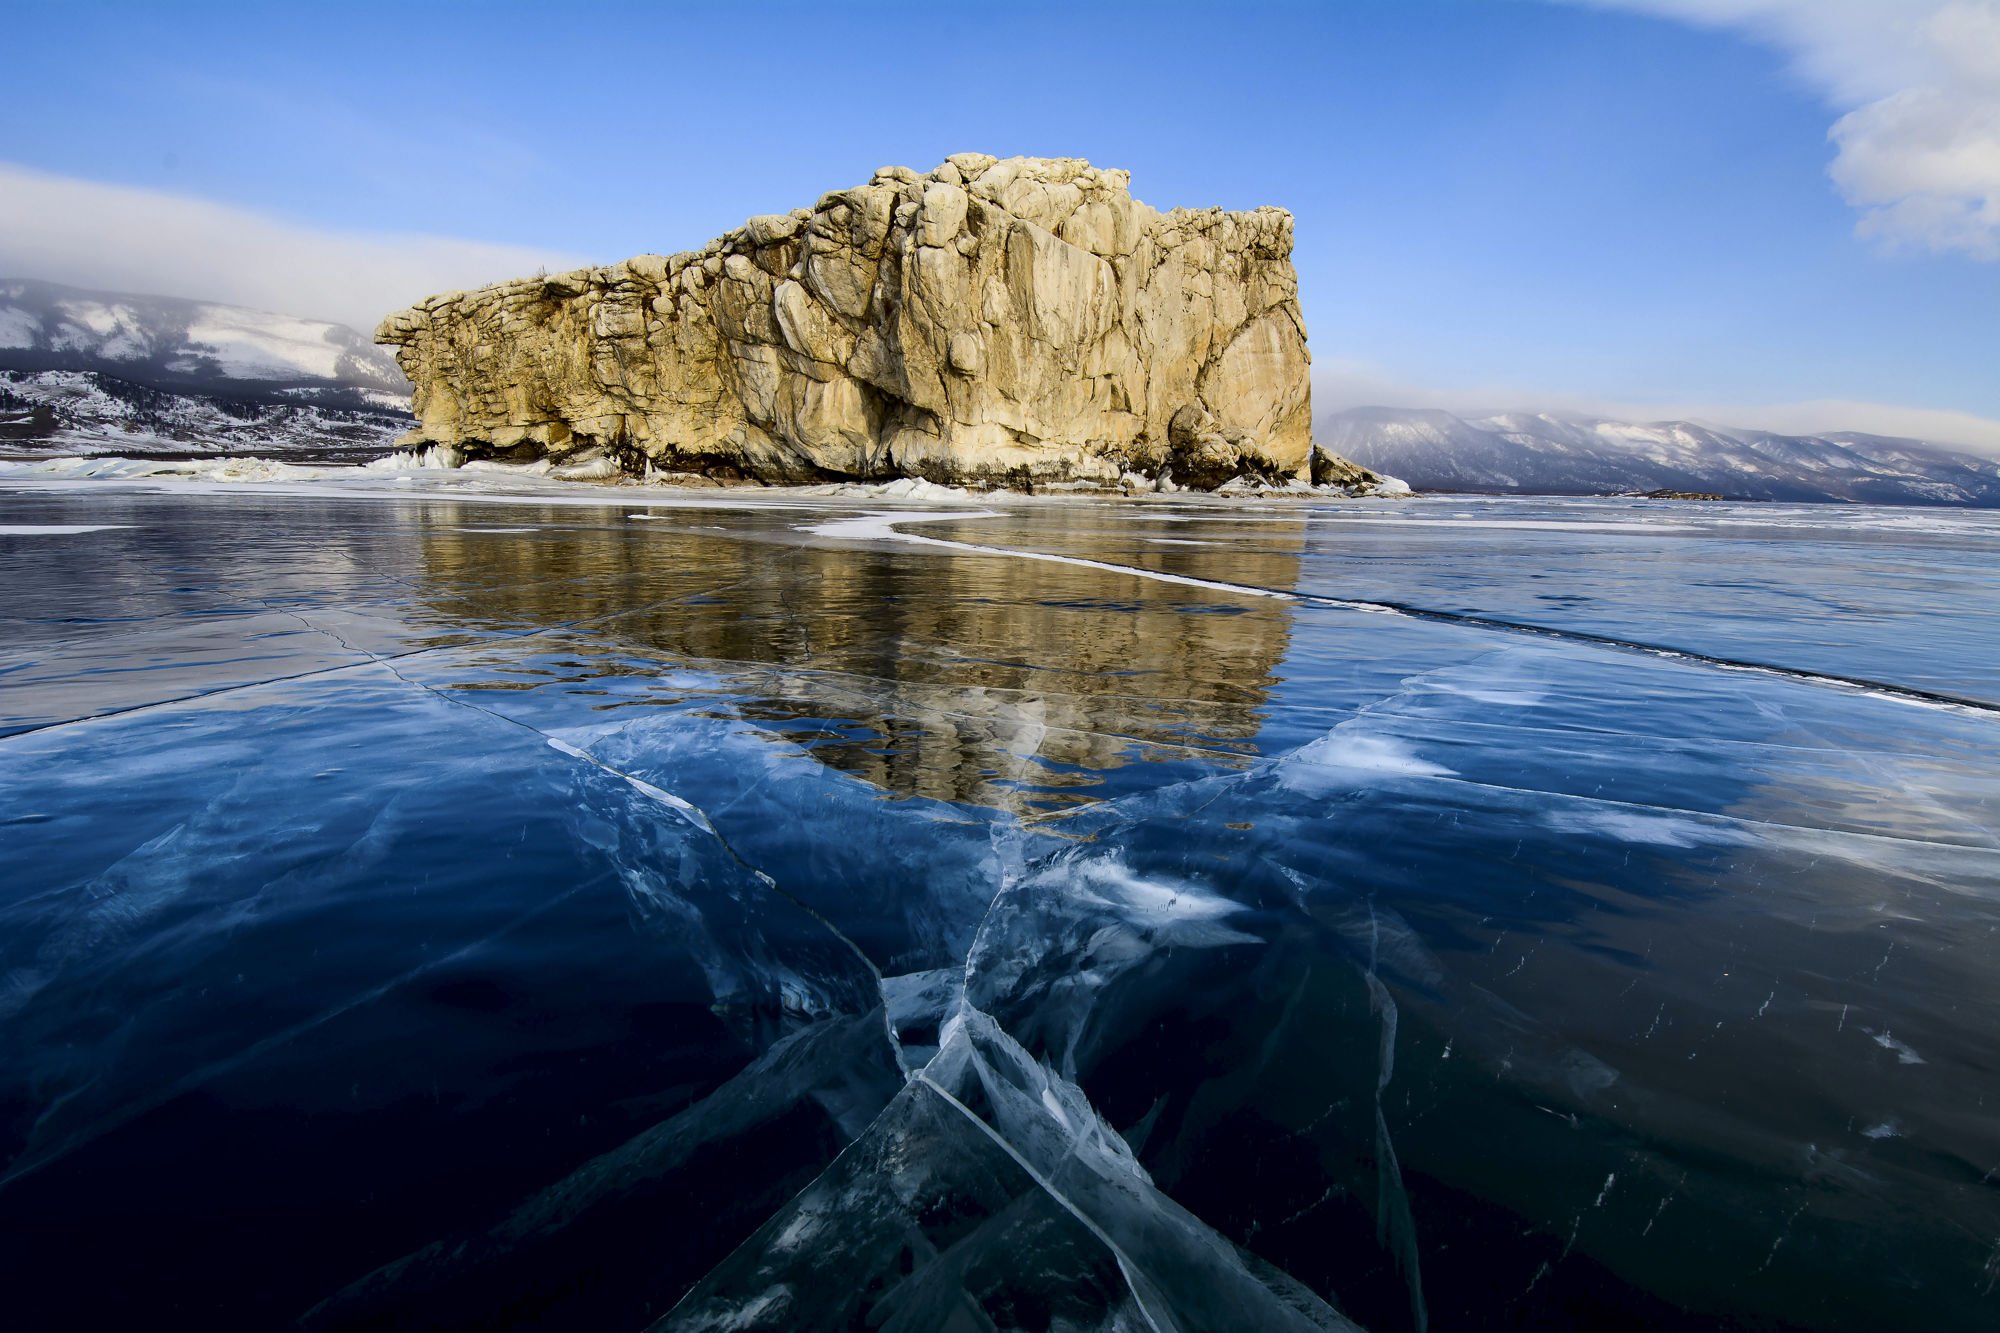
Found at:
<point>1125,1264</point>
<point>881,526</point>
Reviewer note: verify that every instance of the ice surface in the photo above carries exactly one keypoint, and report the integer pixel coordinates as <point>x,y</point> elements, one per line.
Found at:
<point>889,527</point>
<point>1652,527</point>
<point>54,529</point>
<point>573,921</point>
<point>813,1091</point>
<point>1350,749</point>
<point>1044,1205</point>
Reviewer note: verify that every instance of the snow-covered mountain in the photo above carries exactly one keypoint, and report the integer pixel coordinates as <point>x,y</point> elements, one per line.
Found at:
<point>163,342</point>
<point>109,372</point>
<point>45,412</point>
<point>1545,454</point>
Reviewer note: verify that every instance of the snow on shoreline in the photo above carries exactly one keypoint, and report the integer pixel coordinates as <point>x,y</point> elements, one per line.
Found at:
<point>405,476</point>
<point>409,474</point>
<point>405,473</point>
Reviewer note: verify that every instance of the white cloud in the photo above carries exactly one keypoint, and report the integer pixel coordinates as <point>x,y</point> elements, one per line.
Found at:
<point>1918,83</point>
<point>119,238</point>
<point>1338,385</point>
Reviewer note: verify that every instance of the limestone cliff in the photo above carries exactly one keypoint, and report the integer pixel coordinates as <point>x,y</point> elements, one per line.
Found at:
<point>990,322</point>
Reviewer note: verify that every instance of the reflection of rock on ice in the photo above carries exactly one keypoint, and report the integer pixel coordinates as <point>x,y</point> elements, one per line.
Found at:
<point>952,677</point>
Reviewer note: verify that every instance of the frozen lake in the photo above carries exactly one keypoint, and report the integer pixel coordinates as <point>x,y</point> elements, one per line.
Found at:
<point>434,906</point>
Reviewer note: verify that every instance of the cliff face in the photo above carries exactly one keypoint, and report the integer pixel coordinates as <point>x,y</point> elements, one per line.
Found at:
<point>992,321</point>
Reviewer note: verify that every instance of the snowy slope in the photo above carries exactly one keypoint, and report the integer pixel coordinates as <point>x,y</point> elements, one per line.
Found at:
<point>1547,454</point>
<point>45,412</point>
<point>169,343</point>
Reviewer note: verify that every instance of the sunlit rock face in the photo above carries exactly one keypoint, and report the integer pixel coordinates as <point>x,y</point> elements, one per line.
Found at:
<point>991,322</point>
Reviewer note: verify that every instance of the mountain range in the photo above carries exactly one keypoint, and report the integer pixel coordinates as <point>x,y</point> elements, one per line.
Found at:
<point>98,372</point>
<point>110,372</point>
<point>1549,454</point>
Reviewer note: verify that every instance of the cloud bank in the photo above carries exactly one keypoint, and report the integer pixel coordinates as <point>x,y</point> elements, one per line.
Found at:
<point>1918,81</point>
<point>119,238</point>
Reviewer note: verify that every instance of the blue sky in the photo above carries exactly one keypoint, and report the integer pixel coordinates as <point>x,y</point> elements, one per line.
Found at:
<point>1499,202</point>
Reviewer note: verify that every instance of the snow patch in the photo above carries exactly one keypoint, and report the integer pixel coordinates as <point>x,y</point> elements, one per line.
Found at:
<point>903,488</point>
<point>1904,1054</point>
<point>1358,752</point>
<point>55,529</point>
<point>248,344</point>
<point>19,329</point>
<point>1636,827</point>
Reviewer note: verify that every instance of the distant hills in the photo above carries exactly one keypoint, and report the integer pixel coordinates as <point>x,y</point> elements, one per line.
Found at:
<point>1546,454</point>
<point>118,372</point>
<point>114,372</point>
<point>164,342</point>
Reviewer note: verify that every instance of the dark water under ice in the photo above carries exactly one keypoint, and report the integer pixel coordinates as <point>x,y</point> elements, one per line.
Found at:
<point>430,912</point>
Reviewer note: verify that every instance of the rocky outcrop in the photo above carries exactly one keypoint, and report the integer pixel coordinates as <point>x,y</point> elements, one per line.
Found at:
<point>1330,469</point>
<point>992,322</point>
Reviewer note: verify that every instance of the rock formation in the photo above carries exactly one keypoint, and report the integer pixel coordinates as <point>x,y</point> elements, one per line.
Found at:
<point>992,322</point>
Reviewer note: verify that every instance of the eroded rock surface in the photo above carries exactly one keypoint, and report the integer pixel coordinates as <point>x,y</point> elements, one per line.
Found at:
<point>992,322</point>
